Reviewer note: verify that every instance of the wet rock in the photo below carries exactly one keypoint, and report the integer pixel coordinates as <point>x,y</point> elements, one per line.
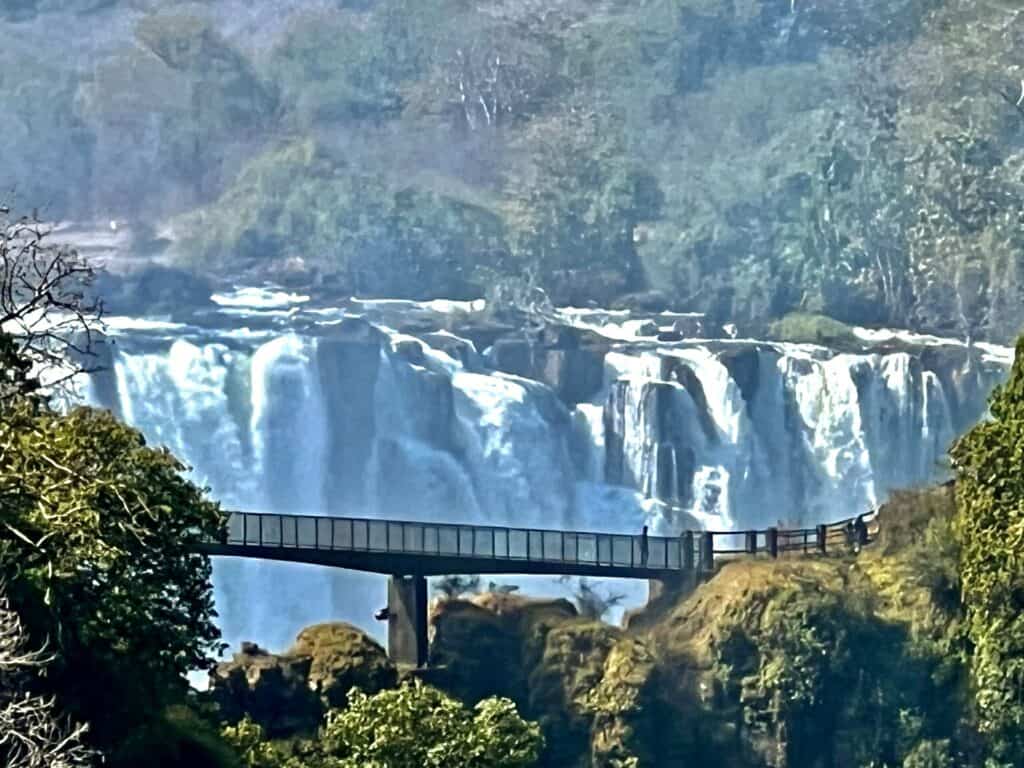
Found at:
<point>273,690</point>
<point>646,328</point>
<point>349,362</point>
<point>152,291</point>
<point>675,370</point>
<point>410,350</point>
<point>512,355</point>
<point>744,366</point>
<point>690,325</point>
<point>568,360</point>
<point>455,347</point>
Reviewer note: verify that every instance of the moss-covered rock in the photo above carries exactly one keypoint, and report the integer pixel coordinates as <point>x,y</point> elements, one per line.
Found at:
<point>836,661</point>
<point>824,661</point>
<point>590,685</point>
<point>468,635</point>
<point>343,657</point>
<point>287,693</point>
<point>805,328</point>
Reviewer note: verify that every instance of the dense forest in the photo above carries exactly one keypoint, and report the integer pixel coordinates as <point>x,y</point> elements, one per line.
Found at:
<point>855,158</point>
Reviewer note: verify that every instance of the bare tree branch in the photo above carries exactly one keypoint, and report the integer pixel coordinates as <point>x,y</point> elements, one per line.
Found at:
<point>47,318</point>
<point>32,735</point>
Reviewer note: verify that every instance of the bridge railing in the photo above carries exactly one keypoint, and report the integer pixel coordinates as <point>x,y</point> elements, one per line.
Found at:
<point>691,549</point>
<point>451,540</point>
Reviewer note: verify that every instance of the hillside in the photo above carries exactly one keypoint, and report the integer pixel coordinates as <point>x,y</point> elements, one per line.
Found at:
<point>856,158</point>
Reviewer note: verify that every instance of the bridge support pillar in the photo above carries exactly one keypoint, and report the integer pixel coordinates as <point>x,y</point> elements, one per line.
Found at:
<point>407,620</point>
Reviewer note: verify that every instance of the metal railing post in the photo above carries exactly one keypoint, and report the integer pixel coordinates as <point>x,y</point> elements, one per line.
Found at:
<point>751,542</point>
<point>822,536</point>
<point>687,559</point>
<point>707,553</point>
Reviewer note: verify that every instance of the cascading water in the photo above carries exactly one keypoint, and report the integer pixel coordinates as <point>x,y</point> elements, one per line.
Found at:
<point>328,414</point>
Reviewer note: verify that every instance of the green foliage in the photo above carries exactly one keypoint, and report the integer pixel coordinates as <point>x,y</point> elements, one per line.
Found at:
<point>990,527</point>
<point>333,66</point>
<point>859,160</point>
<point>416,726</point>
<point>824,659</point>
<point>574,201</point>
<point>804,653</point>
<point>812,329</point>
<point>297,204</point>
<point>929,754</point>
<point>104,532</point>
<point>249,740</point>
<point>178,737</point>
<point>194,97</point>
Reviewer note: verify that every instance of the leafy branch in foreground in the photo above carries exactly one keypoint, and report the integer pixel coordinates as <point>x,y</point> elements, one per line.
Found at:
<point>990,528</point>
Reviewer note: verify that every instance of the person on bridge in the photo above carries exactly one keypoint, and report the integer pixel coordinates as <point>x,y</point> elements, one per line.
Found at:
<point>643,548</point>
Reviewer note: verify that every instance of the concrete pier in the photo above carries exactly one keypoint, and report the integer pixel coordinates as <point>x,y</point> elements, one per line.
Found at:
<point>407,620</point>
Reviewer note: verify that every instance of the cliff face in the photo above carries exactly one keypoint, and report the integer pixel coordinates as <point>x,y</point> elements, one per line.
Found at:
<point>835,662</point>
<point>794,663</point>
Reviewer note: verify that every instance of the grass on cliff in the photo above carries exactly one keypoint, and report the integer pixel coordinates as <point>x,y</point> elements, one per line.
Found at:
<point>794,660</point>
<point>806,657</point>
<point>807,328</point>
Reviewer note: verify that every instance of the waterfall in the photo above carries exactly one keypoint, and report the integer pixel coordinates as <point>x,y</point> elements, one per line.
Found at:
<point>347,417</point>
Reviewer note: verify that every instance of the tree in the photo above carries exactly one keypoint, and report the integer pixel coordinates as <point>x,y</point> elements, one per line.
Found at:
<point>990,527</point>
<point>103,534</point>
<point>573,204</point>
<point>455,586</point>
<point>416,726</point>
<point>495,68</point>
<point>592,603</point>
<point>46,320</point>
<point>336,66</point>
<point>32,735</point>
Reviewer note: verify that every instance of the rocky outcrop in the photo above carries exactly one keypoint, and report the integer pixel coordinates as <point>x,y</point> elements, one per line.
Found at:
<point>288,693</point>
<point>828,662</point>
<point>569,360</point>
<point>585,682</point>
<point>273,690</point>
<point>153,290</point>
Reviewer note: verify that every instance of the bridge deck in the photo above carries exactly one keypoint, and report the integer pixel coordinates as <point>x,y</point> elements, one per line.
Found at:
<point>435,549</point>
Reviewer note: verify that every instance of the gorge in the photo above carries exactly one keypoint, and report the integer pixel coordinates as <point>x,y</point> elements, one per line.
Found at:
<point>593,420</point>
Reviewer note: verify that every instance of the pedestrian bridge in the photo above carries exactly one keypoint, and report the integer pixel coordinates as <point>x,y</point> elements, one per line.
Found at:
<point>410,551</point>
